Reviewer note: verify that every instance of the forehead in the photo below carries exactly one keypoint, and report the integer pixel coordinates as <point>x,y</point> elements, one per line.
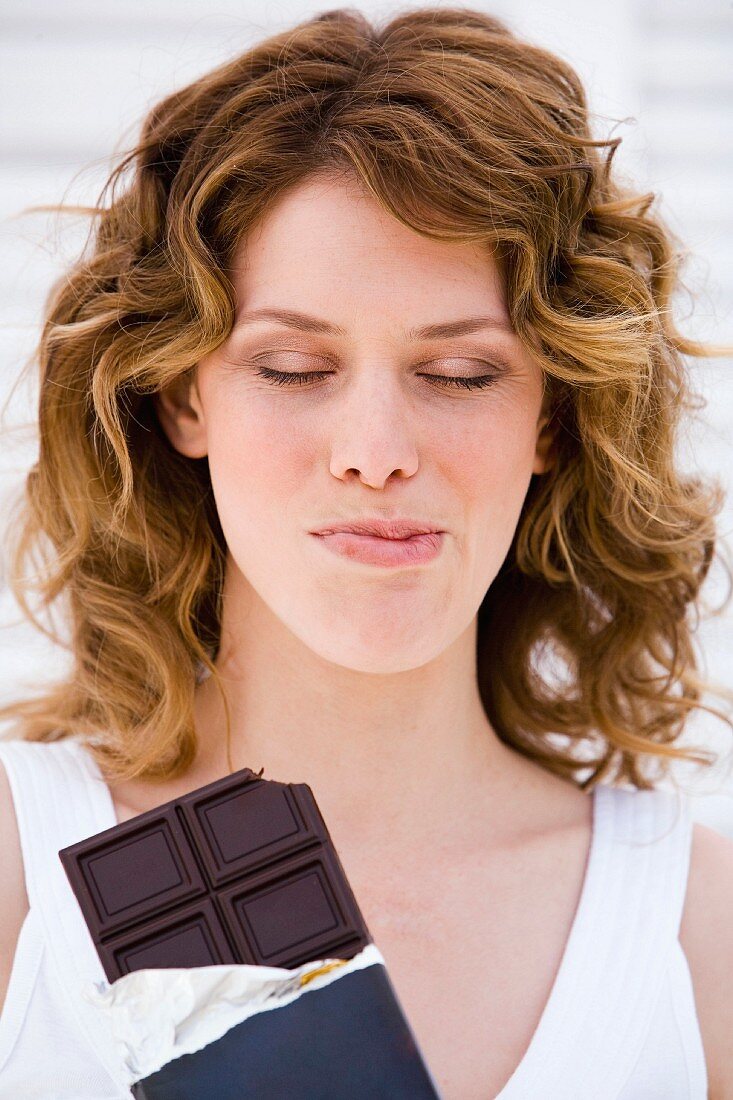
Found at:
<point>329,240</point>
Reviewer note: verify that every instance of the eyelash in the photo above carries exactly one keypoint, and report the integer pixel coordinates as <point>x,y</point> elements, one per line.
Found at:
<point>287,378</point>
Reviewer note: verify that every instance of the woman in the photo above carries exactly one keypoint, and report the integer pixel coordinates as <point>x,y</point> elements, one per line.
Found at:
<point>365,398</point>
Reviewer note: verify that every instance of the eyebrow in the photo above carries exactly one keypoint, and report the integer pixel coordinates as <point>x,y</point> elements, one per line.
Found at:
<point>293,318</point>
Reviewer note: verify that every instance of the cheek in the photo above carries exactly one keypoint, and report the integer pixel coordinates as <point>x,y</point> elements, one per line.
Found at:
<point>256,465</point>
<point>490,469</point>
<point>492,459</point>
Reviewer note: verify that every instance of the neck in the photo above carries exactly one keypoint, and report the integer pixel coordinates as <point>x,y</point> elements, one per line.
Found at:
<point>402,757</point>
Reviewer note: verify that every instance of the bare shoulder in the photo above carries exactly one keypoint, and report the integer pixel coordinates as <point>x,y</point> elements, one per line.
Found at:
<point>706,935</point>
<point>14,899</point>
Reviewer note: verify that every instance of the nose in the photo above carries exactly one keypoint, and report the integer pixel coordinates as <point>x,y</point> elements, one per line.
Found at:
<point>373,431</point>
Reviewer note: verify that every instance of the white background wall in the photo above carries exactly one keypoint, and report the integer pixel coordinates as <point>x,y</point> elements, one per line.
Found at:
<point>76,77</point>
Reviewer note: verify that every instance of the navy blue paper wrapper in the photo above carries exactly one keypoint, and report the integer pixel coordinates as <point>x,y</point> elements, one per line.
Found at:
<point>348,1040</point>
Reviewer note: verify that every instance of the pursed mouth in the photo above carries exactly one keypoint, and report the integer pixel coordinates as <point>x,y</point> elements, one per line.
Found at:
<point>385,532</point>
<point>375,534</point>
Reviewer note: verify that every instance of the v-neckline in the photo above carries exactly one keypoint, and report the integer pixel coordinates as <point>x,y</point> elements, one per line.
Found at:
<point>530,1073</point>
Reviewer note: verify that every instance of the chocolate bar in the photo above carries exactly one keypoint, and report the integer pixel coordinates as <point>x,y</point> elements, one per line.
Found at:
<point>242,870</point>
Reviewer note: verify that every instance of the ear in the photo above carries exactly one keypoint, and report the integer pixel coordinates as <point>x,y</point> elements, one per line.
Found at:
<point>181,415</point>
<point>545,456</point>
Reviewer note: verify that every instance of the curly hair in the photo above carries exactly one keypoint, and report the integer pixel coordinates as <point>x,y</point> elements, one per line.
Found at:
<point>463,132</point>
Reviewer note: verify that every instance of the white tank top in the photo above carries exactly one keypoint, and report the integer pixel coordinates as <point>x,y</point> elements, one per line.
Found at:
<point>620,1022</point>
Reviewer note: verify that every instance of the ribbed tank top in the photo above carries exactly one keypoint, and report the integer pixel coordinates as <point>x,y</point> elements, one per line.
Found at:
<point>620,1022</point>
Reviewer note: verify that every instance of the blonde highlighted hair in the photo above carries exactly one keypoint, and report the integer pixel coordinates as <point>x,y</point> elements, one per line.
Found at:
<point>463,132</point>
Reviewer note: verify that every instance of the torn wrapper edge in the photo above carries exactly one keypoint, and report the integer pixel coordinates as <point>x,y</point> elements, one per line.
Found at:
<point>156,1015</point>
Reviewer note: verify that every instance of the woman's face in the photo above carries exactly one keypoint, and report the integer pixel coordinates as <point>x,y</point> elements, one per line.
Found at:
<point>372,437</point>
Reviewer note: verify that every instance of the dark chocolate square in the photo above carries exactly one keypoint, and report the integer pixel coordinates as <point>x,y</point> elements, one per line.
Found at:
<point>192,936</point>
<point>136,869</point>
<point>260,909</point>
<point>245,827</point>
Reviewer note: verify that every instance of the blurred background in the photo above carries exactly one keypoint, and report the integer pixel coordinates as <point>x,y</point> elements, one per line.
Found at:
<point>77,77</point>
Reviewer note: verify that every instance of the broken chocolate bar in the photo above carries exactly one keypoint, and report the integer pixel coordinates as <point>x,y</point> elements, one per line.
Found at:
<point>242,870</point>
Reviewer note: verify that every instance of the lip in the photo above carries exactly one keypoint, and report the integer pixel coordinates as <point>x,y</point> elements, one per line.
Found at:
<point>382,528</point>
<point>390,552</point>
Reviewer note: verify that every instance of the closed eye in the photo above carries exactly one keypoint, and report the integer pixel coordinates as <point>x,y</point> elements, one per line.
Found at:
<point>290,378</point>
